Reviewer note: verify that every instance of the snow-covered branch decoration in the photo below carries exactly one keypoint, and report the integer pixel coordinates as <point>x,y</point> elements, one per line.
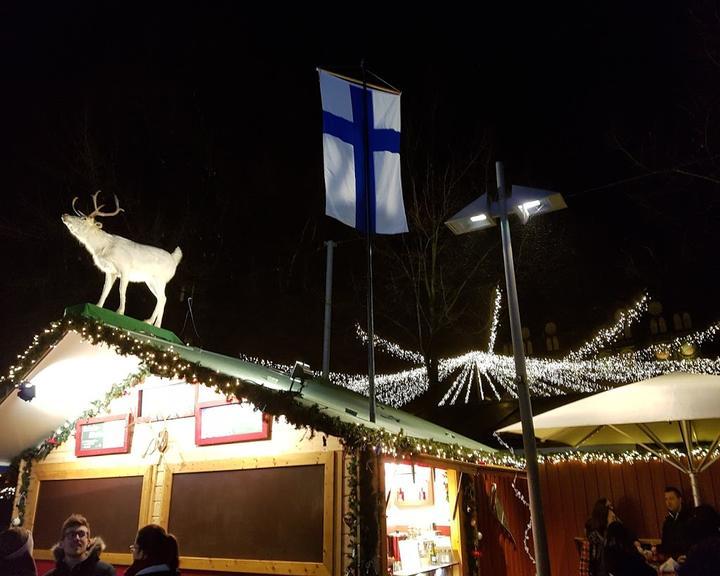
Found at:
<point>390,347</point>
<point>696,338</point>
<point>495,320</point>
<point>492,375</point>
<point>607,336</point>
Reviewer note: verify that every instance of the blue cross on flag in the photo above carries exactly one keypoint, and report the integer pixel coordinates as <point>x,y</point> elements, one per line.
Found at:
<point>344,148</point>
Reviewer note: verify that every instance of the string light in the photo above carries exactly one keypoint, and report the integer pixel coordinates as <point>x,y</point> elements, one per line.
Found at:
<point>388,347</point>
<point>607,336</point>
<point>495,320</point>
<point>575,373</point>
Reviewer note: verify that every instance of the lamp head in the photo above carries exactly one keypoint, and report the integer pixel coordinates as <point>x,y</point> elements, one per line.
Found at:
<point>301,372</point>
<point>525,202</point>
<point>475,216</point>
<point>26,391</point>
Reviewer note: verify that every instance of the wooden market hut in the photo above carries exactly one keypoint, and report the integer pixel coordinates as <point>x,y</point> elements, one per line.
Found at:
<point>254,471</point>
<point>634,482</point>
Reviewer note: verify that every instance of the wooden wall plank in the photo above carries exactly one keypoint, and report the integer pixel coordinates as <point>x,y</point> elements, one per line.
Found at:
<point>592,489</point>
<point>633,515</point>
<point>577,478</point>
<point>636,490</point>
<point>617,488</point>
<point>603,476</point>
<point>659,481</point>
<point>648,498</point>
<point>554,526</point>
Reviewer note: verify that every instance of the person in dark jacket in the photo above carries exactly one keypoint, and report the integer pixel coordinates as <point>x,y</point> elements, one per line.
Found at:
<point>677,525</point>
<point>703,557</point>
<point>602,514</point>
<point>77,553</point>
<point>16,547</point>
<point>155,553</point>
<point>621,556</point>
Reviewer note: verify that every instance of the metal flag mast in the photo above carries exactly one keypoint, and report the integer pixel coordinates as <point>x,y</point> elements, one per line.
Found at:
<point>368,245</point>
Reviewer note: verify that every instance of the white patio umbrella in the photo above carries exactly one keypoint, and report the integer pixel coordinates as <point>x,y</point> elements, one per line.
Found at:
<point>675,408</point>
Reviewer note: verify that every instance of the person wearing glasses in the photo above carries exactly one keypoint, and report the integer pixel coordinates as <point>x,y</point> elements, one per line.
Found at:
<point>77,553</point>
<point>155,553</point>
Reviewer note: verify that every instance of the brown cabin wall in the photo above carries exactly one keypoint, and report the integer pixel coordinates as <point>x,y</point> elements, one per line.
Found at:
<point>569,490</point>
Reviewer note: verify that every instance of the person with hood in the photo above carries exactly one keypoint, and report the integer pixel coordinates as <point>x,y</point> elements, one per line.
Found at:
<point>16,547</point>
<point>77,553</point>
<point>155,553</point>
<point>595,528</point>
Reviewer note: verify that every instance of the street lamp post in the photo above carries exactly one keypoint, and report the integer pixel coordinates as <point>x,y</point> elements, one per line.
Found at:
<point>478,215</point>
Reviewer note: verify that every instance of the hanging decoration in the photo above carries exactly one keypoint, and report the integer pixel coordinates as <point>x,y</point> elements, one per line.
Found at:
<point>520,496</point>
<point>493,375</point>
<point>470,526</point>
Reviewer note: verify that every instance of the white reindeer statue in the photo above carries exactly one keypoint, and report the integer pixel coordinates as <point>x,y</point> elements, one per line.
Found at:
<point>121,258</point>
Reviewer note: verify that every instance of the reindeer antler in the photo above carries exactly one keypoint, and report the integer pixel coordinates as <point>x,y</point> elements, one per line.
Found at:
<point>97,211</point>
<point>77,212</point>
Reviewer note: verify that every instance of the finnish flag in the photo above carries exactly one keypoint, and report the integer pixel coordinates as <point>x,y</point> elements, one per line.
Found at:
<point>344,151</point>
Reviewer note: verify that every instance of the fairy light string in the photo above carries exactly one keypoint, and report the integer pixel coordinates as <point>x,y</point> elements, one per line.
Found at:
<point>167,363</point>
<point>584,370</point>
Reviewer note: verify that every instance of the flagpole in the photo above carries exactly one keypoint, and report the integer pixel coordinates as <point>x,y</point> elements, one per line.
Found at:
<point>370,311</point>
<point>329,244</point>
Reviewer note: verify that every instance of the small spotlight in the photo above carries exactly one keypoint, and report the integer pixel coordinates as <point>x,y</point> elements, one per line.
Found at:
<point>300,372</point>
<point>478,218</point>
<point>26,391</point>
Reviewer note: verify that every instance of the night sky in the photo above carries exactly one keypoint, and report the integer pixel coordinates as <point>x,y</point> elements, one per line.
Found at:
<point>205,120</point>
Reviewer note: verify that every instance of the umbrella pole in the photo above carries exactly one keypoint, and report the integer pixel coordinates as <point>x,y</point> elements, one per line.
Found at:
<point>695,488</point>
<point>686,432</point>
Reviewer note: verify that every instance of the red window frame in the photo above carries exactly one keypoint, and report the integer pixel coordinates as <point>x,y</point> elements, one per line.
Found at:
<point>263,434</point>
<point>124,449</point>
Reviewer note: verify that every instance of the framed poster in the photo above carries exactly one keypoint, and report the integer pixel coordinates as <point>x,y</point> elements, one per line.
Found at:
<point>162,400</point>
<point>104,435</point>
<point>223,422</point>
<point>413,485</point>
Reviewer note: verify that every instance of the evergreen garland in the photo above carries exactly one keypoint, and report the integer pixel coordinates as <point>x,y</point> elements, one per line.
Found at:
<point>278,403</point>
<point>351,517</point>
<point>60,436</point>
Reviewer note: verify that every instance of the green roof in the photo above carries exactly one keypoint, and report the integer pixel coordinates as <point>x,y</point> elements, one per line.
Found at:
<point>334,401</point>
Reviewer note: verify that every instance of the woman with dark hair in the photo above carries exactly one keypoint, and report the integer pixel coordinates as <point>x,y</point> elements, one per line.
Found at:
<point>602,515</point>
<point>155,552</point>
<point>16,547</point>
<point>621,556</point>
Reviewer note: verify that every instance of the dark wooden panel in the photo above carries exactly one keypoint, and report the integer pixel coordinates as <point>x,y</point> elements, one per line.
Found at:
<point>707,490</point>
<point>500,555</point>
<point>633,515</point>
<point>647,498</point>
<point>714,473</point>
<point>592,489</point>
<point>657,469</point>
<point>602,472</point>
<point>261,514</point>
<point>635,489</point>
<point>557,532</point>
<point>578,491</point>
<point>111,505</point>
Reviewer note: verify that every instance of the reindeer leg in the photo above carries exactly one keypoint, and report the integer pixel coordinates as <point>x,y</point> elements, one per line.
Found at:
<point>161,308</point>
<point>123,289</point>
<point>157,315</point>
<point>109,281</point>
